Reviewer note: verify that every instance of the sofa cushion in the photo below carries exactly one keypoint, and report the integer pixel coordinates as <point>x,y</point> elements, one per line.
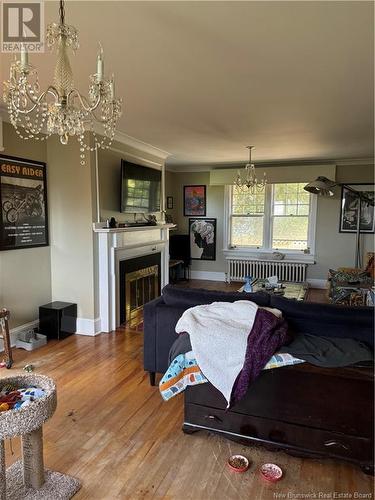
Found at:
<point>190,297</point>
<point>327,320</point>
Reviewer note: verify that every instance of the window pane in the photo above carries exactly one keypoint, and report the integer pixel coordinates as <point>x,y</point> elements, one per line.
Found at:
<point>247,231</point>
<point>246,203</point>
<point>303,209</point>
<point>291,197</point>
<point>290,232</point>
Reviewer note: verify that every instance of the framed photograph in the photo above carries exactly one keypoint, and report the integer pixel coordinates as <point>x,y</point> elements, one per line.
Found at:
<point>169,202</point>
<point>195,201</point>
<point>23,203</point>
<point>202,237</point>
<point>349,209</point>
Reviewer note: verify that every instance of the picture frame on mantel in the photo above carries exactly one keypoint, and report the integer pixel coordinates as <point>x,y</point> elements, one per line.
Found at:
<point>23,203</point>
<point>195,200</point>
<point>349,210</point>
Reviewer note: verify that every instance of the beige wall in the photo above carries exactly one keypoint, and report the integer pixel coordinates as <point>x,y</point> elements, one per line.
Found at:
<point>215,208</point>
<point>71,207</point>
<point>25,274</point>
<point>333,249</point>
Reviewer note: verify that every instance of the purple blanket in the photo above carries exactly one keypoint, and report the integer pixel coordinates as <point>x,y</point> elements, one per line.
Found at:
<point>268,334</point>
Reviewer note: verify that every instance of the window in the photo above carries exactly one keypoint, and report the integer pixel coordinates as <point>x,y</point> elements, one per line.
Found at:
<point>281,218</point>
<point>290,216</point>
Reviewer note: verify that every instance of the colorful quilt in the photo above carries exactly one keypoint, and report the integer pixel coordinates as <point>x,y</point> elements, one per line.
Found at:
<point>184,371</point>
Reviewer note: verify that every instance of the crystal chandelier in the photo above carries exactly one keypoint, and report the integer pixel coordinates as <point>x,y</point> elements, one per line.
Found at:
<point>249,181</point>
<point>61,109</point>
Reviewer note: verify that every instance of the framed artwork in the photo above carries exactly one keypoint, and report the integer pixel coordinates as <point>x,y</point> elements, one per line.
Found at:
<point>23,203</point>
<point>349,207</point>
<point>202,237</point>
<point>169,202</point>
<point>195,201</point>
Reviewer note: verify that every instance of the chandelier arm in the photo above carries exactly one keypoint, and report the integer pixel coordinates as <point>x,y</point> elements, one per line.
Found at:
<point>51,90</point>
<point>91,109</point>
<point>83,100</point>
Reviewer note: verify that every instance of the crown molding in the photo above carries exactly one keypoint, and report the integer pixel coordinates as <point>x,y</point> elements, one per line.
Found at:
<point>355,162</point>
<point>142,146</point>
<point>207,167</point>
<point>189,168</point>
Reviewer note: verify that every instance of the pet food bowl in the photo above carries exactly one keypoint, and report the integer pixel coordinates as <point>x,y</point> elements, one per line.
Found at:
<point>240,468</point>
<point>271,472</point>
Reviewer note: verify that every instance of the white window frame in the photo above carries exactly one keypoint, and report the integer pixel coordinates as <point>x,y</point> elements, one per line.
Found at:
<point>256,252</point>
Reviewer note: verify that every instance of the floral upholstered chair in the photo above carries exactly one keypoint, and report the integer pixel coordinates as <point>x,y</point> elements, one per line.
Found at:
<point>348,285</point>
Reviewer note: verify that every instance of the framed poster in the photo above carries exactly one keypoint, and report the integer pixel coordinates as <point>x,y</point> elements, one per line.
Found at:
<point>202,237</point>
<point>349,209</point>
<point>23,203</point>
<point>195,201</point>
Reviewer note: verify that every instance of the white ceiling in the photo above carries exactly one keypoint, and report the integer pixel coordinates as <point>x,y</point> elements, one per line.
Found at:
<point>203,79</point>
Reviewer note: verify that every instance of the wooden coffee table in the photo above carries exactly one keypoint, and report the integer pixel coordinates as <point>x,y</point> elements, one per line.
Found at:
<point>290,290</point>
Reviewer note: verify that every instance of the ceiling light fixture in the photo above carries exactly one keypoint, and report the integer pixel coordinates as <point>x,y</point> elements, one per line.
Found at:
<point>249,181</point>
<point>61,109</point>
<point>321,186</point>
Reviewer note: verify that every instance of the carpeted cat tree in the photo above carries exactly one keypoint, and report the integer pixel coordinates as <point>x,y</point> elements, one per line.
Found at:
<point>26,478</point>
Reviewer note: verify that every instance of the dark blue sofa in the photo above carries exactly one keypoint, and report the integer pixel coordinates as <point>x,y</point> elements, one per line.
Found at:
<point>162,314</point>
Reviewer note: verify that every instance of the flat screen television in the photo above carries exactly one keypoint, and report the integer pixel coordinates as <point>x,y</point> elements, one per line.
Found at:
<point>140,188</point>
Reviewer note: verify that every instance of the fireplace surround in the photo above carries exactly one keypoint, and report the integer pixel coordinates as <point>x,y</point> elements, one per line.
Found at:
<point>120,245</point>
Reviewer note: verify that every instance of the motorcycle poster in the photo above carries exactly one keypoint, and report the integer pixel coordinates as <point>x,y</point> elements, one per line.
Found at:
<point>23,201</point>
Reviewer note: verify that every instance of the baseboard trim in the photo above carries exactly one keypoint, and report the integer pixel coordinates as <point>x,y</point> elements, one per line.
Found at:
<point>207,275</point>
<point>14,332</point>
<point>90,327</point>
<point>317,283</point>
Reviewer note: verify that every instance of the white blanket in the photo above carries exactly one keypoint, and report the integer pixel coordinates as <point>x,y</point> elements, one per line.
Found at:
<point>218,334</point>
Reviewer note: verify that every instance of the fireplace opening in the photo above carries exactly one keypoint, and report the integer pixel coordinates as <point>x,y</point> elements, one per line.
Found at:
<point>139,284</point>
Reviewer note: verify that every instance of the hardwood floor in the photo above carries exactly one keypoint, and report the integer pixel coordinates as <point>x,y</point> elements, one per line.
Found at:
<point>114,432</point>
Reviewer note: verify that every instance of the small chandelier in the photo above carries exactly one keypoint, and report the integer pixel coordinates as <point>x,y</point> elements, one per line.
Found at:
<point>249,182</point>
<point>61,109</point>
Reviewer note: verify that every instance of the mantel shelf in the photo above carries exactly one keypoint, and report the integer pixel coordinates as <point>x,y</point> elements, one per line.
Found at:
<point>98,229</point>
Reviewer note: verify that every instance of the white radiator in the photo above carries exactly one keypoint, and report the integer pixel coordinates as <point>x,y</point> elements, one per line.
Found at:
<point>284,270</point>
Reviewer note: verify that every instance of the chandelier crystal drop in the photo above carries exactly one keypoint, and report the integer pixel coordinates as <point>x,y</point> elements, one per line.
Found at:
<point>248,182</point>
<point>61,109</point>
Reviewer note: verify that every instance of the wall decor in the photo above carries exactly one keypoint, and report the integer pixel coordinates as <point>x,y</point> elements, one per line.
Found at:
<point>23,202</point>
<point>349,209</point>
<point>202,236</point>
<point>195,201</point>
<point>169,202</point>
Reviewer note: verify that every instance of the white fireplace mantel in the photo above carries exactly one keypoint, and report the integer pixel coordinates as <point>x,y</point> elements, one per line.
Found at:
<point>118,244</point>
